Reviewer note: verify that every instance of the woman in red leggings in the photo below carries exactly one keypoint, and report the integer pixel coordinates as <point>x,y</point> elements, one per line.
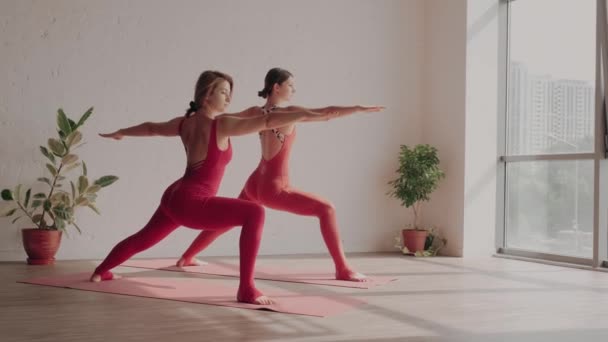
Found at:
<point>269,183</point>
<point>190,201</point>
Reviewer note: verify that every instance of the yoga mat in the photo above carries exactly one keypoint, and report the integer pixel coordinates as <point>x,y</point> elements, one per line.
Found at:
<point>202,291</point>
<point>261,272</point>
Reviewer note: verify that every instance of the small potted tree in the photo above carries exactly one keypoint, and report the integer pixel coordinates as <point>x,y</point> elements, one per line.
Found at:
<point>52,212</point>
<point>418,177</point>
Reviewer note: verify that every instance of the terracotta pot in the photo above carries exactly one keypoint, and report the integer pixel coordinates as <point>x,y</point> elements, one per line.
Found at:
<point>413,239</point>
<point>41,245</point>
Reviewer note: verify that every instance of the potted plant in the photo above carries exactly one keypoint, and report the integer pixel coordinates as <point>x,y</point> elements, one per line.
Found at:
<point>433,243</point>
<point>418,176</point>
<point>51,212</point>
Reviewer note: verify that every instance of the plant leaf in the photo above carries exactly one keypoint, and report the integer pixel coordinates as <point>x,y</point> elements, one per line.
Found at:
<point>69,159</point>
<point>62,212</point>
<point>7,195</point>
<point>106,180</point>
<point>47,205</point>
<point>73,189</point>
<point>82,201</point>
<point>63,123</point>
<point>15,220</point>
<point>9,213</point>
<point>44,151</point>
<point>45,180</point>
<point>85,116</point>
<point>71,167</point>
<point>90,197</point>
<point>66,199</point>
<point>40,195</point>
<point>77,228</point>
<point>84,168</point>
<point>36,203</point>
<point>56,198</point>
<point>59,223</point>
<point>73,138</point>
<point>94,208</point>
<point>65,146</point>
<point>27,198</point>
<point>83,184</point>
<point>56,147</point>
<point>72,124</point>
<point>59,199</point>
<point>93,189</point>
<point>47,154</point>
<point>51,169</point>
<point>17,193</point>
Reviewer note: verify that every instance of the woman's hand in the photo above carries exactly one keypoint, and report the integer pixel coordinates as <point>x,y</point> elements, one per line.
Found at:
<point>370,109</point>
<point>115,135</point>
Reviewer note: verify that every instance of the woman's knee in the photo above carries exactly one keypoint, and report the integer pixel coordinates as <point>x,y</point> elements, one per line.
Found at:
<point>326,209</point>
<point>257,213</point>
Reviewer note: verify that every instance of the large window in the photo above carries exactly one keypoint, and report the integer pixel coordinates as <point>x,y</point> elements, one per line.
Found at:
<point>550,207</point>
<point>550,124</point>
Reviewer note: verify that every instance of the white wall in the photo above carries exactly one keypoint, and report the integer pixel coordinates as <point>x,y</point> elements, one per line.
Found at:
<point>138,60</point>
<point>482,72</point>
<point>460,119</point>
<point>443,122</point>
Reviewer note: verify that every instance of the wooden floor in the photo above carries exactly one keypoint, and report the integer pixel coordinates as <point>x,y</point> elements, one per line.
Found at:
<point>435,299</point>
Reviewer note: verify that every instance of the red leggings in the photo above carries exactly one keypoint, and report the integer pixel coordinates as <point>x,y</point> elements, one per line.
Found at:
<point>214,214</point>
<point>274,193</point>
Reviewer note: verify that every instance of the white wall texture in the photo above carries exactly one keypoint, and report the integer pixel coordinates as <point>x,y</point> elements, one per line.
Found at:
<point>482,77</point>
<point>138,61</point>
<point>443,122</point>
<point>460,104</point>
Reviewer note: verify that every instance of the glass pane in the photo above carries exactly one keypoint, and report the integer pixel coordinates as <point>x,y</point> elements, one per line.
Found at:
<point>550,207</point>
<point>551,76</point>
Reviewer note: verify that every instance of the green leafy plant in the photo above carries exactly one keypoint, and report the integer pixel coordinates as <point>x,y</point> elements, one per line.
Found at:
<point>418,176</point>
<point>55,209</point>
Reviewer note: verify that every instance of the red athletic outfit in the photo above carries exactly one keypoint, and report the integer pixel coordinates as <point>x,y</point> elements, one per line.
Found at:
<point>269,185</point>
<point>190,201</point>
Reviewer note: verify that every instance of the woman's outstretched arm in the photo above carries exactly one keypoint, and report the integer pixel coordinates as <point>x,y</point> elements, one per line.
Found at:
<point>333,112</point>
<point>148,129</point>
<point>234,126</point>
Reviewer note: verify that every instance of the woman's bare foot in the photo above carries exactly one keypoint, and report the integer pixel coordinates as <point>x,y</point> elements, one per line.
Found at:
<point>182,262</point>
<point>349,275</point>
<point>96,278</point>
<point>253,296</point>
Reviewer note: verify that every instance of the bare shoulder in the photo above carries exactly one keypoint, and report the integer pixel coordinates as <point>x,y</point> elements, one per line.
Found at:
<point>254,111</point>
<point>176,120</point>
<point>226,122</point>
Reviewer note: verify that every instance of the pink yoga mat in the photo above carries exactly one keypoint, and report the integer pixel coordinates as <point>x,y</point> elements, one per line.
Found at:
<point>261,272</point>
<point>203,291</point>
